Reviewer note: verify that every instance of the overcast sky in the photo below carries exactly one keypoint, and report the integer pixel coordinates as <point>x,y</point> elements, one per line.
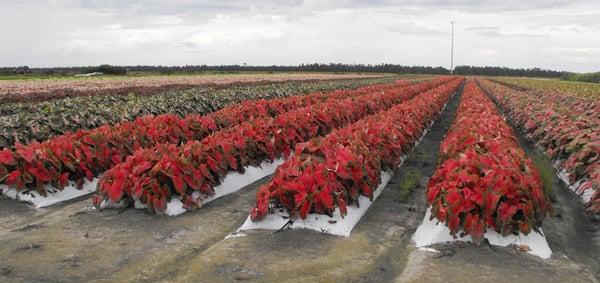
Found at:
<point>554,34</point>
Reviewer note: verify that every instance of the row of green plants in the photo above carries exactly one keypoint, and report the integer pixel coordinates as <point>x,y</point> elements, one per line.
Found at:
<point>582,89</point>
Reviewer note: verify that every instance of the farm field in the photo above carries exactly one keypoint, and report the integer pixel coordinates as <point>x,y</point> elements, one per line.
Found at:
<point>298,177</point>
<point>25,122</point>
<point>590,90</point>
<point>52,88</point>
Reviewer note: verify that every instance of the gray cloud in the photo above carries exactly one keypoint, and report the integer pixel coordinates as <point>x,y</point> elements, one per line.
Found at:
<point>556,34</point>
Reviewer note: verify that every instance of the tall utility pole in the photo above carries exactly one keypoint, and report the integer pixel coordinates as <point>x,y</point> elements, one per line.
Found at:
<point>452,50</point>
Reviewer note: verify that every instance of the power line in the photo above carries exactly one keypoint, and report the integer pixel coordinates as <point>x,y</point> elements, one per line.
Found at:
<point>452,50</point>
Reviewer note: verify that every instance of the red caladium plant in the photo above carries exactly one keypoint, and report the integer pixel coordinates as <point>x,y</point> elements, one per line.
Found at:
<point>564,126</point>
<point>485,179</point>
<point>332,172</point>
<point>87,153</point>
<point>191,171</point>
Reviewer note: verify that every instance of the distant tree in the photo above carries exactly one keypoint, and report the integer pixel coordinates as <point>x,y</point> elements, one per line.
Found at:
<point>109,70</point>
<point>22,70</point>
<point>586,77</point>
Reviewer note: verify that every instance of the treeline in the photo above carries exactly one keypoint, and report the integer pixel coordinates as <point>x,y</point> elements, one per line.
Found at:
<point>107,69</point>
<point>504,71</point>
<point>587,77</point>
<point>332,67</point>
<point>25,70</point>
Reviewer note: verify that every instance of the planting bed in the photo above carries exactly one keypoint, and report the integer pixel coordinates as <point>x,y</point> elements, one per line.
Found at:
<point>84,154</point>
<point>191,171</point>
<point>565,127</point>
<point>485,183</point>
<point>329,183</point>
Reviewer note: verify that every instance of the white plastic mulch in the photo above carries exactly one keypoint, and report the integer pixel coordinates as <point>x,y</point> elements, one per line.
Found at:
<point>336,225</point>
<point>232,183</point>
<point>585,196</point>
<point>54,195</point>
<point>433,232</point>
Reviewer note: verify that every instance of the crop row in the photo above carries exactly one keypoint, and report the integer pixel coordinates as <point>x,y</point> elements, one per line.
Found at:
<point>86,153</point>
<point>151,177</point>
<point>565,127</point>
<point>582,89</point>
<point>331,172</point>
<point>41,121</point>
<point>485,180</point>
<point>33,90</point>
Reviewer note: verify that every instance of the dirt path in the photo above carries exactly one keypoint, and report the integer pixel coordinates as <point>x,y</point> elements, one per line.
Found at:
<point>73,242</point>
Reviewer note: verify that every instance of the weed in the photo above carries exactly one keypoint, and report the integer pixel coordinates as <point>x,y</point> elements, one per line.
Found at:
<point>408,183</point>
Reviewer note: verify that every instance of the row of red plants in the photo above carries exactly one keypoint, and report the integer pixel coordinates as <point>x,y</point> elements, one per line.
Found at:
<point>333,171</point>
<point>153,176</point>
<point>562,125</point>
<point>485,180</point>
<point>87,153</point>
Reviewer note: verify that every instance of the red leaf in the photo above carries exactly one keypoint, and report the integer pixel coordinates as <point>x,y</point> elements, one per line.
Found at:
<point>13,177</point>
<point>300,198</point>
<point>114,190</point>
<point>367,191</point>
<point>304,209</point>
<point>40,173</point>
<point>116,159</point>
<point>142,167</point>
<point>452,197</point>
<point>179,184</point>
<point>506,211</point>
<point>478,230</point>
<point>326,198</point>
<point>6,157</point>
<point>26,152</point>
<point>63,179</point>
<point>232,161</point>
<point>159,204</point>
<point>453,224</point>
<point>212,164</point>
